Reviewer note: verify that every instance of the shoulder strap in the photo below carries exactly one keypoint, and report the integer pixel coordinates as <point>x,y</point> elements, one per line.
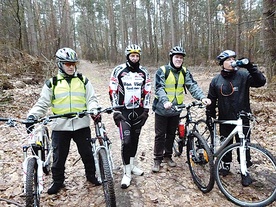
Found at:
<point>81,77</point>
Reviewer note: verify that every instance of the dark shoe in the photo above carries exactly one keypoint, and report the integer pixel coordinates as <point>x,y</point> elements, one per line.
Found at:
<point>169,161</point>
<point>93,180</point>
<point>156,166</point>
<point>225,170</point>
<point>54,189</point>
<point>246,180</point>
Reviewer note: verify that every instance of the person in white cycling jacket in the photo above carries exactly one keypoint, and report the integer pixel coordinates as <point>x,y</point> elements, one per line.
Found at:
<point>130,86</point>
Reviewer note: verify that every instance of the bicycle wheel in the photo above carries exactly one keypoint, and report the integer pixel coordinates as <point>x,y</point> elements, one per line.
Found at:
<point>200,161</point>
<point>46,150</point>
<point>107,179</point>
<point>32,195</point>
<point>262,191</point>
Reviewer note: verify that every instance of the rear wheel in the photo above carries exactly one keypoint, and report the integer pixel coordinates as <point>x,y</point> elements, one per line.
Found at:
<point>32,195</point>
<point>200,161</point>
<point>107,179</point>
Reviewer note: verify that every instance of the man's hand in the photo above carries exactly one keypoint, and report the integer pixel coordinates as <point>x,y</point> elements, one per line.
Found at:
<point>167,105</point>
<point>206,101</point>
<point>143,117</point>
<point>117,117</point>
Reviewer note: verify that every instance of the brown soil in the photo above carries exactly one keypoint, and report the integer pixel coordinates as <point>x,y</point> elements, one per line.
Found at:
<point>171,187</point>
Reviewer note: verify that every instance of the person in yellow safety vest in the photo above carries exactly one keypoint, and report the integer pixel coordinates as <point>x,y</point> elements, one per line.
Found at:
<point>69,91</point>
<point>170,83</point>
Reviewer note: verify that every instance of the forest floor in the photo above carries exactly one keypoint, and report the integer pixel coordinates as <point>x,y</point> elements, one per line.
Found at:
<point>172,187</point>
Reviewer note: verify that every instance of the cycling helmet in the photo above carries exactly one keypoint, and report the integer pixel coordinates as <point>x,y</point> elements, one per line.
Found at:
<point>66,55</point>
<point>132,49</point>
<point>177,50</point>
<point>224,55</point>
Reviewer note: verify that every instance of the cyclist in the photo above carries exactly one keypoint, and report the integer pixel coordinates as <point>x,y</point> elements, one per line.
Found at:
<point>130,85</point>
<point>69,91</point>
<point>170,83</point>
<point>229,91</point>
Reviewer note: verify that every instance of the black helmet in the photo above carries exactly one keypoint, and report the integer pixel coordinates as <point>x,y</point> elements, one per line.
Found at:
<point>224,55</point>
<point>177,50</point>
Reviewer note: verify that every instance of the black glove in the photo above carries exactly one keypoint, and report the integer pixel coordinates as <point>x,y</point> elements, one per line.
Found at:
<point>209,122</point>
<point>143,117</point>
<point>248,66</point>
<point>117,116</point>
<point>30,126</point>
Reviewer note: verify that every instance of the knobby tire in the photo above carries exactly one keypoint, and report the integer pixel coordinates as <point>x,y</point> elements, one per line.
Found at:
<point>200,161</point>
<point>107,179</point>
<point>262,191</point>
<point>32,196</point>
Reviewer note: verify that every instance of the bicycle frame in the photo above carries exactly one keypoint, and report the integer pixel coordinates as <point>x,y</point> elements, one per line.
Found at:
<point>237,130</point>
<point>103,143</point>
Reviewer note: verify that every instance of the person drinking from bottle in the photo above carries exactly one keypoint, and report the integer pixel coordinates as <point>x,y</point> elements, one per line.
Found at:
<point>130,85</point>
<point>69,91</point>
<point>229,93</point>
<point>171,80</point>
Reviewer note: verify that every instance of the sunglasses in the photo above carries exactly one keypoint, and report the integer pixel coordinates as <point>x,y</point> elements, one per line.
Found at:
<point>68,64</point>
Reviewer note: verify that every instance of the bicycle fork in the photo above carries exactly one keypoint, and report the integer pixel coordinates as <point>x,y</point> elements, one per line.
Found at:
<point>242,148</point>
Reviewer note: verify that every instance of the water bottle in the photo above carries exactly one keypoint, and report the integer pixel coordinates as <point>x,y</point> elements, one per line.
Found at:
<point>181,130</point>
<point>241,62</point>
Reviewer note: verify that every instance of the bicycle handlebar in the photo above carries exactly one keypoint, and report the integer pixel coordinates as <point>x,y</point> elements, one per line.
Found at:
<point>188,106</point>
<point>12,122</point>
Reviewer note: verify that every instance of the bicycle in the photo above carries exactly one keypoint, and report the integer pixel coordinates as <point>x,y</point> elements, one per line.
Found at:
<point>199,156</point>
<point>262,169</point>
<point>37,158</point>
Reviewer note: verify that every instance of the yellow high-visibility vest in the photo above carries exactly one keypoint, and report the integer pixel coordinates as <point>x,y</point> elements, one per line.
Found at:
<point>173,89</point>
<point>68,98</point>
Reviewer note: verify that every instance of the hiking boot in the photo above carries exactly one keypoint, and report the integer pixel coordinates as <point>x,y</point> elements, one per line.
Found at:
<point>54,189</point>
<point>93,180</point>
<point>169,161</point>
<point>225,170</point>
<point>246,180</point>
<point>156,166</point>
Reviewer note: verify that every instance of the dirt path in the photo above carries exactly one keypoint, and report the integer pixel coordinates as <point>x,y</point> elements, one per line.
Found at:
<point>172,187</point>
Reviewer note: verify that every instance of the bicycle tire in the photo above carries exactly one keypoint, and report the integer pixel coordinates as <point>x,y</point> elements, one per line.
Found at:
<point>262,191</point>
<point>32,195</point>
<point>200,161</point>
<point>46,150</point>
<point>107,179</point>
<point>178,146</point>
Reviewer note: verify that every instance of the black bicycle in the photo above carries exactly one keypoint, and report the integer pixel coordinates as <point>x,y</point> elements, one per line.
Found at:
<point>261,191</point>
<point>199,155</point>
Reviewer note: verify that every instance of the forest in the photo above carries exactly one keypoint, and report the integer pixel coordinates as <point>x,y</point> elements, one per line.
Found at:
<point>99,30</point>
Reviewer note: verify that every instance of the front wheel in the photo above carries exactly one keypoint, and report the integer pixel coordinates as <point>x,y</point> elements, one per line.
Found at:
<point>107,179</point>
<point>262,170</point>
<point>32,195</point>
<point>200,161</point>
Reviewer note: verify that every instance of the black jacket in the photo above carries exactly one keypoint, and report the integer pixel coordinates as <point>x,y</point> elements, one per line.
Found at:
<point>231,93</point>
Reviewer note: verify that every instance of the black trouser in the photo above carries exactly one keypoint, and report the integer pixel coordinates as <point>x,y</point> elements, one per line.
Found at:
<point>129,132</point>
<point>225,130</point>
<point>61,145</point>
<point>165,128</point>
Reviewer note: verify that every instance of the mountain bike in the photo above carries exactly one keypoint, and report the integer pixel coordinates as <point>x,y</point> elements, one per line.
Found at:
<point>37,154</point>
<point>199,156</point>
<point>261,168</point>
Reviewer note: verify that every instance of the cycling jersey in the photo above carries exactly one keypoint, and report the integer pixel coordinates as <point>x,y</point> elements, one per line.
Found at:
<point>129,87</point>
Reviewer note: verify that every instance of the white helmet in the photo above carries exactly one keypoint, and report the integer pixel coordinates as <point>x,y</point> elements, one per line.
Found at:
<point>66,55</point>
<point>132,49</point>
<point>177,50</point>
<point>224,55</point>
